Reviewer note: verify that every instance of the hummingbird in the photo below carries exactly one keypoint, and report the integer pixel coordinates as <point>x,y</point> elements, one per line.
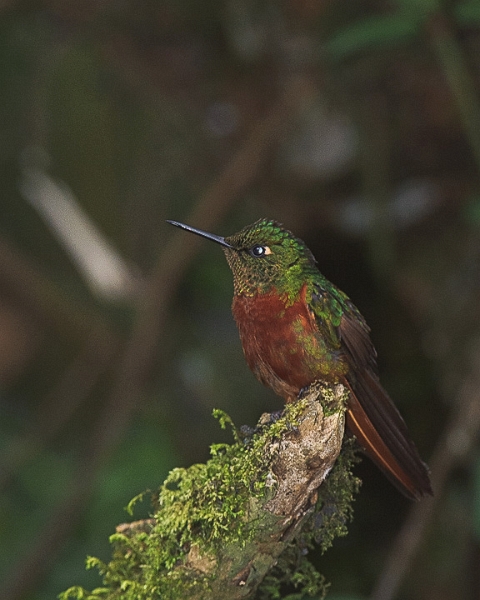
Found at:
<point>296,327</point>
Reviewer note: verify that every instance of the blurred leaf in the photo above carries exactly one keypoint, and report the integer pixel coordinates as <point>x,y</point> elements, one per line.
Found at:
<point>373,33</point>
<point>46,479</point>
<point>468,13</point>
<point>418,7</point>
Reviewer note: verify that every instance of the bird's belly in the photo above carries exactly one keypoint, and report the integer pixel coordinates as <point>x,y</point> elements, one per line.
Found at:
<point>282,344</point>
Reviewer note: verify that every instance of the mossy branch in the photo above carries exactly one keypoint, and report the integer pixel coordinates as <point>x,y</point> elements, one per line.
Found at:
<point>240,525</point>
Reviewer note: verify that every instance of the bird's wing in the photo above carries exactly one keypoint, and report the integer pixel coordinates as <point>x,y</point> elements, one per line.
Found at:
<point>371,415</point>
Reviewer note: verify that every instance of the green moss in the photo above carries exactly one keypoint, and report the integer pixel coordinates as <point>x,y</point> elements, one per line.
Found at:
<point>334,507</point>
<point>206,508</point>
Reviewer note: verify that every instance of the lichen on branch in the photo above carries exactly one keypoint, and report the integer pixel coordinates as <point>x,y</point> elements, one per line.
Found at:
<point>240,525</point>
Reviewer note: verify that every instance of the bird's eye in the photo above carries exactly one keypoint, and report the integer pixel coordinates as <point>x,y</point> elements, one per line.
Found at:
<point>259,251</point>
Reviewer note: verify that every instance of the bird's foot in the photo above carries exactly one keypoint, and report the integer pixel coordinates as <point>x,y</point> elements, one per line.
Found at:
<point>303,392</point>
<point>268,419</point>
<point>246,432</point>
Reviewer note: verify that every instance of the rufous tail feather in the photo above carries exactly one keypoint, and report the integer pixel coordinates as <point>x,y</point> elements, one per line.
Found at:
<point>392,452</point>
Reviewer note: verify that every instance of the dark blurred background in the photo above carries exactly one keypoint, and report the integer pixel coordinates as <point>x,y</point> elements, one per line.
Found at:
<point>356,123</point>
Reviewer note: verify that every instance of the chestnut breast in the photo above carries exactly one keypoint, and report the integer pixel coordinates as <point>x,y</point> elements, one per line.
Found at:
<point>282,343</point>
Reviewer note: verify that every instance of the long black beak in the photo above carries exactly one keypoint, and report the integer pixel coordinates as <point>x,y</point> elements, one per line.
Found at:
<point>209,236</point>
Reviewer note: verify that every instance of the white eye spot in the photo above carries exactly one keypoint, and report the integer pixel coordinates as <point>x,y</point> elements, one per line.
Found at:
<point>259,251</point>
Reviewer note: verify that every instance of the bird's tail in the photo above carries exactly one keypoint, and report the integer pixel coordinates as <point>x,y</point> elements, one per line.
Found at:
<point>381,431</point>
